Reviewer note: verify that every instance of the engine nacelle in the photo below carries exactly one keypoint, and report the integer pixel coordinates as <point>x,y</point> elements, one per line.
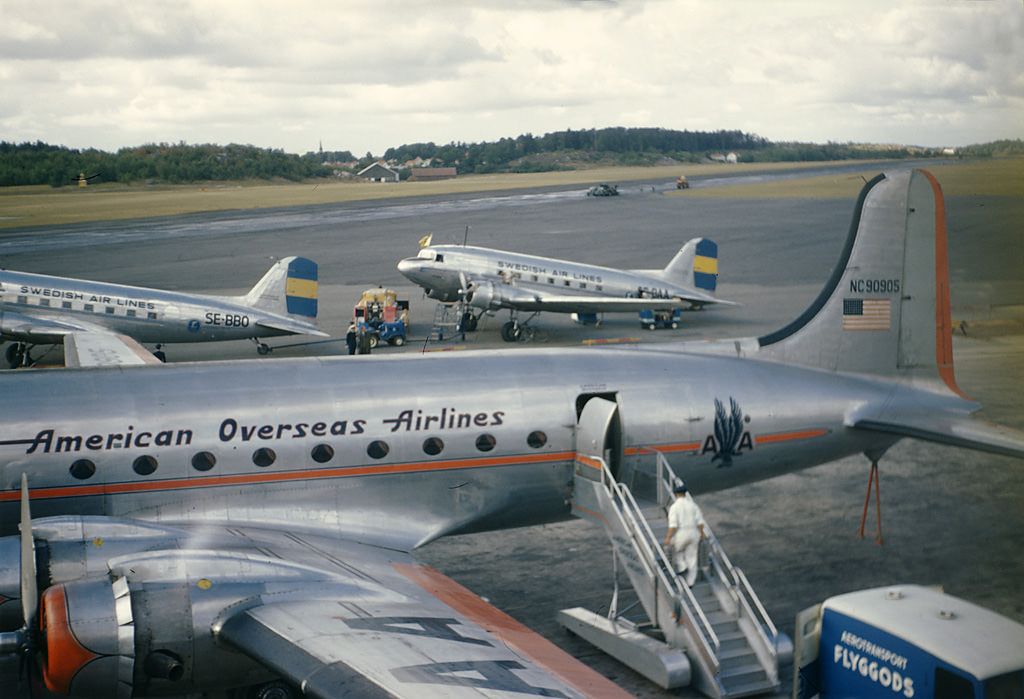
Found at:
<point>106,638</point>
<point>486,296</point>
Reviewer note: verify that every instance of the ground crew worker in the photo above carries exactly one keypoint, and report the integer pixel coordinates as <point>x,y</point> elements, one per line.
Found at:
<point>351,339</point>
<point>685,532</point>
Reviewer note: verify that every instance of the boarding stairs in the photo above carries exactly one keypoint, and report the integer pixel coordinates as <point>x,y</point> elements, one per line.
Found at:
<point>715,635</point>
<point>447,319</point>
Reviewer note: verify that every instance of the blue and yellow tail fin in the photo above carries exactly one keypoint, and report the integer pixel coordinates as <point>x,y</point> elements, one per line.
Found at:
<point>301,287</point>
<point>695,265</point>
<point>290,287</point>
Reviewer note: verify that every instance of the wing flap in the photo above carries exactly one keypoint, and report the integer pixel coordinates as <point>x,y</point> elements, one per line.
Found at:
<point>434,639</point>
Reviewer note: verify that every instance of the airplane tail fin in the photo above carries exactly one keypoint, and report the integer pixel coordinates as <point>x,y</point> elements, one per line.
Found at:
<point>289,287</point>
<point>695,265</point>
<point>885,310</point>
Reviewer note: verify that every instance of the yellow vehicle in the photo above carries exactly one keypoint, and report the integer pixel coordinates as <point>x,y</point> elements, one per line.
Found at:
<point>381,315</point>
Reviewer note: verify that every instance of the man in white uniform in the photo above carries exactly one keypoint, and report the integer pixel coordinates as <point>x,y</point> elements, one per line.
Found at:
<point>685,532</point>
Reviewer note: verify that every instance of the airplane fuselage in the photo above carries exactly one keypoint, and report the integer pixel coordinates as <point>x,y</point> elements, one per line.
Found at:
<point>148,315</point>
<point>443,269</point>
<point>410,460</point>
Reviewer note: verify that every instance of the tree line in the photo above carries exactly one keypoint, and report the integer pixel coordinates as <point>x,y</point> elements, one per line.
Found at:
<point>40,163</point>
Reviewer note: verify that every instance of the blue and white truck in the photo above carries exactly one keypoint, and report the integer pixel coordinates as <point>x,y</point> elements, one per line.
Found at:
<point>906,642</point>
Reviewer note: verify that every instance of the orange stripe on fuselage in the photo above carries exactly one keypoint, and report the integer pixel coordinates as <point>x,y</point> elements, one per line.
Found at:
<point>788,436</point>
<point>286,476</point>
<point>384,469</point>
<point>510,632</point>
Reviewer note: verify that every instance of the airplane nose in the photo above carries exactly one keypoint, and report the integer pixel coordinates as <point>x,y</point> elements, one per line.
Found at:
<point>408,265</point>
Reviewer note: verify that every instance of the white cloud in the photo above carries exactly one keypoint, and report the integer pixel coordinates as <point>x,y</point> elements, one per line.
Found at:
<point>368,74</point>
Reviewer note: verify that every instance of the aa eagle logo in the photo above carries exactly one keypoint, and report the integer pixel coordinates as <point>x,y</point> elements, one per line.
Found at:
<point>729,439</point>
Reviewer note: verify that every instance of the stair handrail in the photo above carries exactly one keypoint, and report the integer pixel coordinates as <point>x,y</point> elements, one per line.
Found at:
<point>667,480</point>
<point>651,553</point>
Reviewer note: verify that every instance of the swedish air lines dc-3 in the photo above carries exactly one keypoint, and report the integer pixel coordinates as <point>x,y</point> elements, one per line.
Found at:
<point>483,280</point>
<point>100,323</point>
<point>223,524</point>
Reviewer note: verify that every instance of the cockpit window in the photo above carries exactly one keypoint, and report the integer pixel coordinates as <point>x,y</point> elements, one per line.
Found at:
<point>426,254</point>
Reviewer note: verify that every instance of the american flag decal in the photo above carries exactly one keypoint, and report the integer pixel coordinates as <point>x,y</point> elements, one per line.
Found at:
<point>866,314</point>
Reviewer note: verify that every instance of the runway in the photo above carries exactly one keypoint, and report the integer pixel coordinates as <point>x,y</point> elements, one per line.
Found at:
<point>950,516</point>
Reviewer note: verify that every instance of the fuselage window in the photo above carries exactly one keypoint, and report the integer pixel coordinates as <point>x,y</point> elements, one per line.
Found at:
<point>377,449</point>
<point>130,313</point>
<point>485,442</point>
<point>144,465</point>
<point>550,280</point>
<point>23,299</point>
<point>537,439</point>
<point>433,446</point>
<point>110,310</point>
<point>204,461</point>
<point>600,287</point>
<point>44,302</point>
<point>322,453</point>
<point>533,277</point>
<point>83,469</point>
<point>65,304</point>
<point>151,315</point>
<point>583,285</point>
<point>88,307</point>
<point>568,283</point>
<point>263,457</point>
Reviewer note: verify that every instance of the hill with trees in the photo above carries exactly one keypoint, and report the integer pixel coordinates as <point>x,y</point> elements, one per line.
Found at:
<point>40,163</point>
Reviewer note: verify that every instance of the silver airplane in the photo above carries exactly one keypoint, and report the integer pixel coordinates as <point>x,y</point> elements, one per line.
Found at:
<point>488,280</point>
<point>100,323</point>
<point>223,524</point>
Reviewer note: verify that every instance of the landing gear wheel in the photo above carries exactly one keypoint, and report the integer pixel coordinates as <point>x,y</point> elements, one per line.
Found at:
<point>510,331</point>
<point>263,348</point>
<point>16,355</point>
<point>274,690</point>
<point>468,322</point>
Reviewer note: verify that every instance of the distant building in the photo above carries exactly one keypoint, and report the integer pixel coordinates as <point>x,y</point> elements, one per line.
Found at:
<point>429,174</point>
<point>378,172</point>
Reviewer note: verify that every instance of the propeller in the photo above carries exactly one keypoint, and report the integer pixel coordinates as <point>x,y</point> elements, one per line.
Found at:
<point>24,640</point>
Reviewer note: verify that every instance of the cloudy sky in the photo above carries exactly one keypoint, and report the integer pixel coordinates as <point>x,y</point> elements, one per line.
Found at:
<point>364,75</point>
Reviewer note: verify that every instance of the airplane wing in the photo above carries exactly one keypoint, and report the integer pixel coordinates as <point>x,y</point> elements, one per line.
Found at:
<point>85,345</point>
<point>380,624</point>
<point>509,296</point>
<point>89,349</point>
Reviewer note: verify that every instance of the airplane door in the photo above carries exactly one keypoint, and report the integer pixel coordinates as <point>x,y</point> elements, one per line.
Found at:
<point>598,432</point>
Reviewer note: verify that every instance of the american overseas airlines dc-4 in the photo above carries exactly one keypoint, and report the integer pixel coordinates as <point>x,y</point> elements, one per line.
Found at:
<point>100,323</point>
<point>488,280</point>
<point>223,524</point>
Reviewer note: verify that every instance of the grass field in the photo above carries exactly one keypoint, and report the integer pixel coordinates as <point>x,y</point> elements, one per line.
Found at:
<point>45,206</point>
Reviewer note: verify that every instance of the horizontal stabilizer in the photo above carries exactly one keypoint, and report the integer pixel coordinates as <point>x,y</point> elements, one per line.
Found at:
<point>295,327</point>
<point>958,431</point>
